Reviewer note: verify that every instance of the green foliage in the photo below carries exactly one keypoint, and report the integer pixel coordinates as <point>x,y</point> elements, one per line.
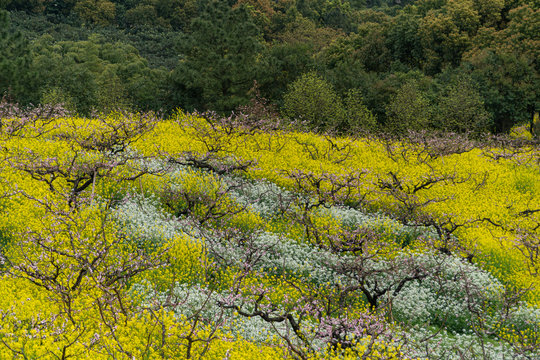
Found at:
<point>508,84</point>
<point>444,36</point>
<point>357,115</point>
<point>99,12</point>
<point>142,15</point>
<point>59,10</point>
<point>404,39</point>
<point>206,55</point>
<point>461,108</point>
<point>279,65</point>
<point>346,60</point>
<point>56,96</point>
<point>535,126</point>
<point>24,5</point>
<point>171,14</point>
<point>216,69</point>
<point>94,74</point>
<point>339,15</point>
<point>490,11</point>
<point>16,77</point>
<point>302,30</point>
<point>177,13</point>
<point>313,100</point>
<point>409,110</point>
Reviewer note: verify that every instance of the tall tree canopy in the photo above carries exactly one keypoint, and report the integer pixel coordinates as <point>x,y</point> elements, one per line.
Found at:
<point>217,59</point>
<point>207,54</point>
<point>16,78</point>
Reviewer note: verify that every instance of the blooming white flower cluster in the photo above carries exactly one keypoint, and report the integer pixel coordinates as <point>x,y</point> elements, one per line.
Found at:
<point>287,255</point>
<point>141,219</point>
<point>261,197</point>
<point>188,301</point>
<point>451,297</point>
<point>523,317</point>
<point>425,343</point>
<point>352,218</point>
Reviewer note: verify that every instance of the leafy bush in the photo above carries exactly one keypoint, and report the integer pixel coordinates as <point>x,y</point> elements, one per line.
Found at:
<point>409,110</point>
<point>312,100</point>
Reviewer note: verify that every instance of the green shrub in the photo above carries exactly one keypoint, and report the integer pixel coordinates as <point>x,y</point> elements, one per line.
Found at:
<point>357,115</point>
<point>409,110</point>
<point>313,100</point>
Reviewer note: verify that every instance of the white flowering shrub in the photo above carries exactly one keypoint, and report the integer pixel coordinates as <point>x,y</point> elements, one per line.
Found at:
<point>143,221</point>
<point>277,253</point>
<point>451,298</point>
<point>262,197</point>
<point>401,234</point>
<point>431,343</point>
<point>195,300</point>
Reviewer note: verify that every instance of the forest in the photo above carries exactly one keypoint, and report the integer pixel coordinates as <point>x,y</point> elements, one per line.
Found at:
<point>269,179</point>
<point>338,65</point>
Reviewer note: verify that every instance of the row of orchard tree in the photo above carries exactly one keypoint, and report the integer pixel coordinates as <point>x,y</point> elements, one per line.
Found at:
<point>458,65</point>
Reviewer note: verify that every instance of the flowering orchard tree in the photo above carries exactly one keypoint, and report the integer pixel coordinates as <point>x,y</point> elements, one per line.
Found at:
<point>129,236</point>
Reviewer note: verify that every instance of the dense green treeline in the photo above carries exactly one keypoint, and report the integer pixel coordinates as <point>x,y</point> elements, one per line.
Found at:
<point>457,65</point>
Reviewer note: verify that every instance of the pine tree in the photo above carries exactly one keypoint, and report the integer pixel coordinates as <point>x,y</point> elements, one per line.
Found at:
<point>16,79</point>
<point>217,65</point>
